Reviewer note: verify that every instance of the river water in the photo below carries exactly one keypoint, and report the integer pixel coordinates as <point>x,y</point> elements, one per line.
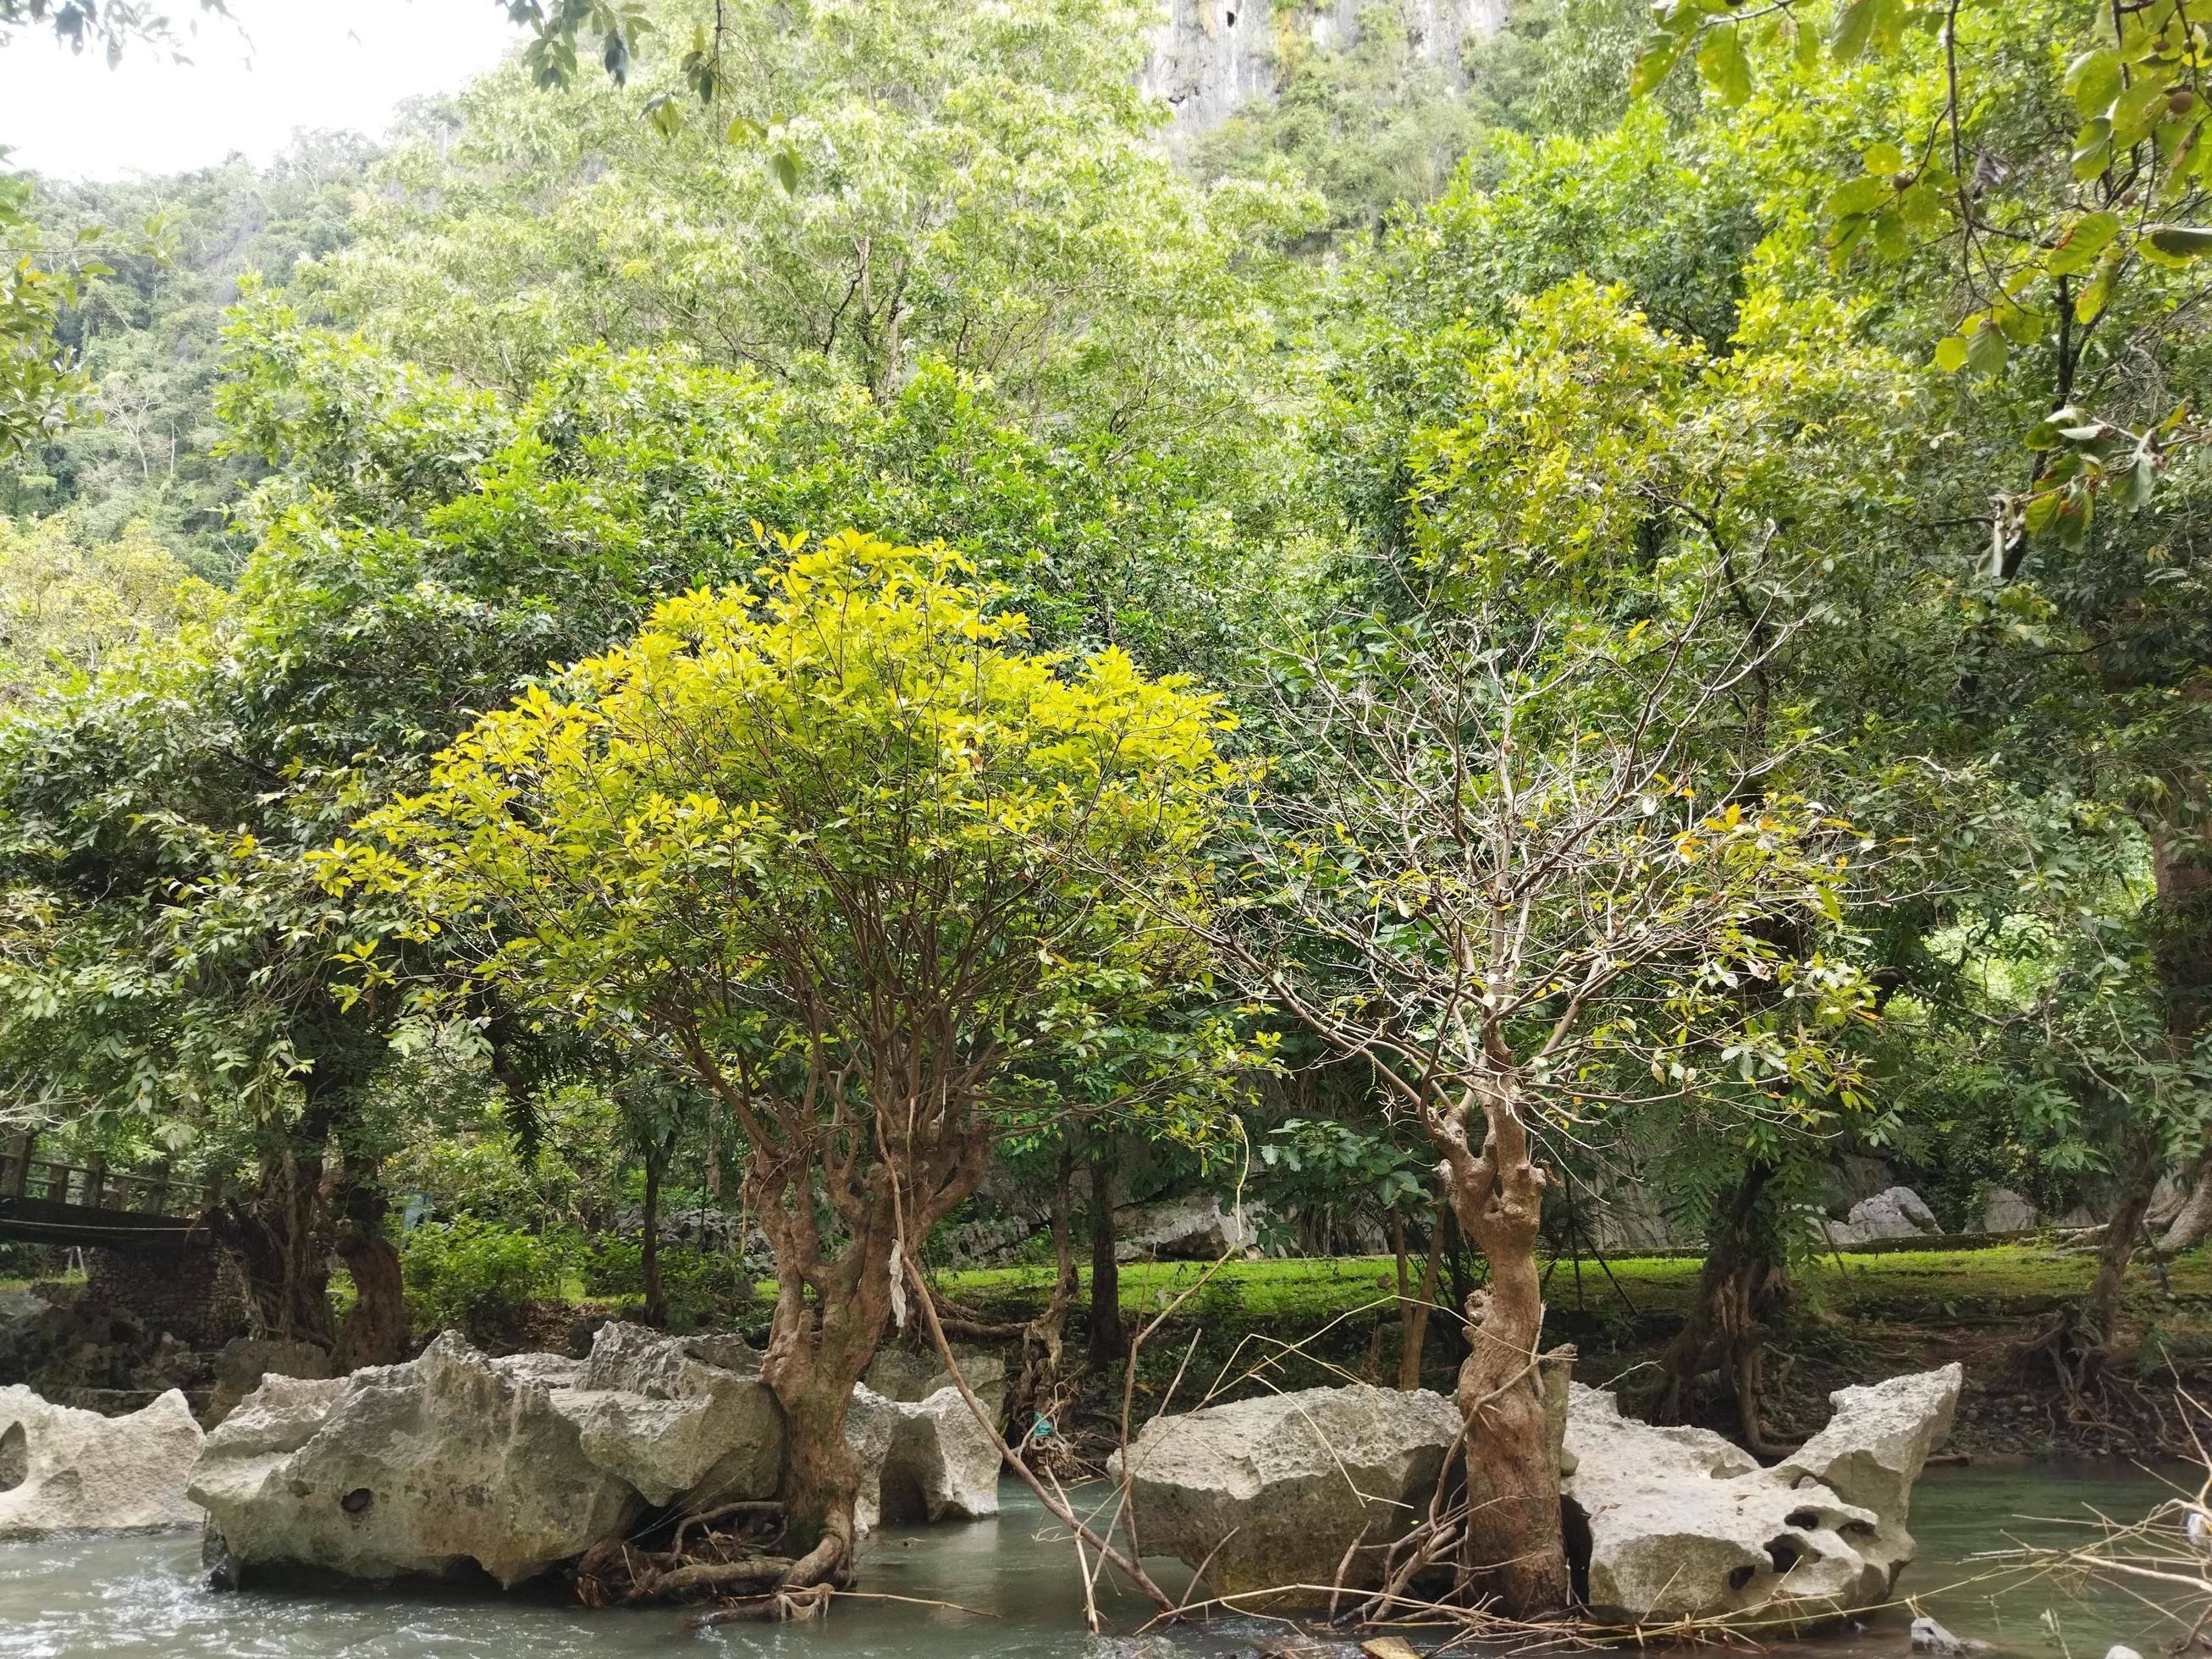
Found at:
<point>141,1598</point>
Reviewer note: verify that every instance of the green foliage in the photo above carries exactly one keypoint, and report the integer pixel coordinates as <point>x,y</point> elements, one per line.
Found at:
<point>865,753</point>
<point>64,607</point>
<point>704,1288</point>
<point>476,1277</point>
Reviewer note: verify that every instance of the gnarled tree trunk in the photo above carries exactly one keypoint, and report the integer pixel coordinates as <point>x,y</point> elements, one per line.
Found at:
<point>1721,1348</point>
<point>1515,1548</point>
<point>1109,1337</point>
<point>374,1329</point>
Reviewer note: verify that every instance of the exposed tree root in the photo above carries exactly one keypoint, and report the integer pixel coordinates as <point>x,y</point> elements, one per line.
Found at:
<point>704,1556</point>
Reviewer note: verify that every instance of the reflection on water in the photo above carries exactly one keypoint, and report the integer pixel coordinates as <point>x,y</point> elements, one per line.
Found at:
<point>141,1598</point>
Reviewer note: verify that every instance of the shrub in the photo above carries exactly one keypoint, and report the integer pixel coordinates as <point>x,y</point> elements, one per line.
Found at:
<point>476,1277</point>
<point>702,1285</point>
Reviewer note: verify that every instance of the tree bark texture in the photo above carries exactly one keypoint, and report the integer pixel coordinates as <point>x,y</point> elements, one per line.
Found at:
<point>1515,1549</point>
<point>1109,1336</point>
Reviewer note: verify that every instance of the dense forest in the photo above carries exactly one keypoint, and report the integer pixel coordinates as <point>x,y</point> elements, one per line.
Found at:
<point>787,651</point>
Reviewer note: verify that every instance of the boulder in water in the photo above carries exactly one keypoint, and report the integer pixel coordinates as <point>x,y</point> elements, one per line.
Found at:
<point>454,1458</point>
<point>63,1470</point>
<point>1274,1491</point>
<point>1681,1524</point>
<point>926,1459</point>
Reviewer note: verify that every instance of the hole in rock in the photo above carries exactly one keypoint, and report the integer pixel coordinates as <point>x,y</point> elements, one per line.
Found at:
<point>1804,1518</point>
<point>899,1501</point>
<point>15,1458</point>
<point>1784,1554</point>
<point>1575,1534</point>
<point>1229,20</point>
<point>1739,1576</point>
<point>356,1500</point>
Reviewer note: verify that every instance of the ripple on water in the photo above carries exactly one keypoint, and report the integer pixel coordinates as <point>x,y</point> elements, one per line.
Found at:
<point>142,1598</point>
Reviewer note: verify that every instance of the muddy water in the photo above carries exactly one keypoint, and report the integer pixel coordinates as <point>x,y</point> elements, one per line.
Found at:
<point>141,1598</point>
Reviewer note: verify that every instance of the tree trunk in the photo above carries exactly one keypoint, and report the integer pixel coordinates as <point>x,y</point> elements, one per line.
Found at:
<point>2194,1219</point>
<point>2182,949</point>
<point>1515,1549</point>
<point>821,1475</point>
<point>375,1330</point>
<point>2138,1177</point>
<point>1721,1350</point>
<point>279,1240</point>
<point>1413,1310</point>
<point>1043,1339</point>
<point>1110,1339</point>
<point>648,1245</point>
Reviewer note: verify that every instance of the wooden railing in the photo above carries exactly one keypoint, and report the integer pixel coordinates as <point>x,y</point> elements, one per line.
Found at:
<point>93,1185</point>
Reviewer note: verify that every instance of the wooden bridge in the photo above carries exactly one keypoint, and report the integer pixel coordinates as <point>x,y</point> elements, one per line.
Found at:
<point>44,1200</point>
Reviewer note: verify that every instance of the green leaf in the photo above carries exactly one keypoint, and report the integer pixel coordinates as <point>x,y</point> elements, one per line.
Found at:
<point>1890,241</point>
<point>2181,242</point>
<point>2089,305</point>
<point>1724,66</point>
<point>2084,241</point>
<point>2093,148</point>
<point>1986,351</point>
<point>2093,81</point>
<point>1854,30</point>
<point>1883,160</point>
<point>1861,195</point>
<point>1654,63</point>
<point>1950,353</point>
<point>785,163</point>
<point>2134,109</point>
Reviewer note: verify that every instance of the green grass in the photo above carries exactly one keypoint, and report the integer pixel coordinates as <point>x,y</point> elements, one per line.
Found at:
<point>2009,1280</point>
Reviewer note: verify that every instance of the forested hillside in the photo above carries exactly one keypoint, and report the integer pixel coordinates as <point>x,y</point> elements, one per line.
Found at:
<point>833,647</point>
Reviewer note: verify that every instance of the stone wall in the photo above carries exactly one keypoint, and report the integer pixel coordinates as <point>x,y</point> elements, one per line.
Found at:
<point>192,1293</point>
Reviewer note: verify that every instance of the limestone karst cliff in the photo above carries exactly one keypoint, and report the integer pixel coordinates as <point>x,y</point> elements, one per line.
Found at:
<point>1210,57</point>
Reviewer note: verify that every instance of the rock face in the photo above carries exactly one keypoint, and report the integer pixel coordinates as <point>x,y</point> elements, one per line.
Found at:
<point>1682,1524</point>
<point>2004,1210</point>
<point>453,1458</point>
<point>1275,1489</point>
<point>1898,1213</point>
<point>1209,57</point>
<point>899,1373</point>
<point>245,1360</point>
<point>1194,1228</point>
<point>66,1471</point>
<point>926,1459</point>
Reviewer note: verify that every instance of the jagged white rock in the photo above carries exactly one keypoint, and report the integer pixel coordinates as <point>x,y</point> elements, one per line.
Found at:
<point>64,1470</point>
<point>1898,1213</point>
<point>1684,1525</point>
<point>513,1465</point>
<point>1275,1489</point>
<point>926,1459</point>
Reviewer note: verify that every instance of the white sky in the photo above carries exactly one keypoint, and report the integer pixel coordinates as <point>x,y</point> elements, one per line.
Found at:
<point>282,64</point>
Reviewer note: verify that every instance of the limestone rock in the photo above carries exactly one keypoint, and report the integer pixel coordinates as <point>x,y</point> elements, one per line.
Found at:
<point>413,1468</point>
<point>649,1409</point>
<point>2004,1210</point>
<point>1195,1229</point>
<point>1210,57</point>
<point>515,1464</point>
<point>899,1373</point>
<point>245,1361</point>
<point>68,1471</point>
<point>1275,1489</point>
<point>1899,1212</point>
<point>926,1459</point>
<point>1682,1524</point>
